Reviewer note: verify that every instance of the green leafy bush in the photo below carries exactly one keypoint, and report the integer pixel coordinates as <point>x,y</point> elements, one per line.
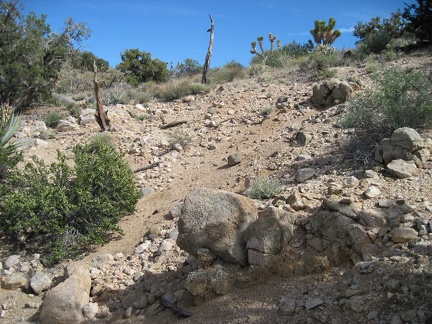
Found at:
<point>398,99</point>
<point>53,118</point>
<point>59,208</point>
<point>9,158</point>
<point>104,189</point>
<point>264,188</point>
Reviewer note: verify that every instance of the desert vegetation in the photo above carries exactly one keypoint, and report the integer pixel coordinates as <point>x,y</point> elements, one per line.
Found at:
<point>59,201</point>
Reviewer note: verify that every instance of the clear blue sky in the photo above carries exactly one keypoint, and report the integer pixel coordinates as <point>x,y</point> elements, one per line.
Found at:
<point>175,30</point>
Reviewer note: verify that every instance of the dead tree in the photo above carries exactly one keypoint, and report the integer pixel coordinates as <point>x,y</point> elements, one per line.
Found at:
<point>209,53</point>
<point>101,116</point>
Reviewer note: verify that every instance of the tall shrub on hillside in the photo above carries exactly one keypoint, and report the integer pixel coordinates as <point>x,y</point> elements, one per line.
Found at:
<point>139,67</point>
<point>31,53</point>
<point>419,19</point>
<point>84,62</point>
<point>377,33</point>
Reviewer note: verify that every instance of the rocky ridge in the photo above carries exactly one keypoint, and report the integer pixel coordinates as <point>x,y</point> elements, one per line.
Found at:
<point>357,236</point>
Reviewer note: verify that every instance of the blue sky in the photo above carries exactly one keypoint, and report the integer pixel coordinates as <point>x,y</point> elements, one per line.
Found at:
<point>175,30</point>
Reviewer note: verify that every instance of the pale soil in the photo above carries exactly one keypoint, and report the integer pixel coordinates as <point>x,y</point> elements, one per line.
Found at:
<point>260,142</point>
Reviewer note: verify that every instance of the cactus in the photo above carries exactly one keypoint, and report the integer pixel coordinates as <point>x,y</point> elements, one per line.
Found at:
<point>325,34</point>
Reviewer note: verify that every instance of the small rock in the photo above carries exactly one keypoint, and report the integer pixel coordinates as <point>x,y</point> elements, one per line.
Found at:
<point>402,169</point>
<point>350,182</point>
<point>14,281</point>
<point>287,305</point>
<point>40,282</point>
<point>90,310</point>
<point>372,192</point>
<point>11,261</point>
<point>313,302</point>
<point>356,303</point>
<point>403,234</point>
<point>142,247</point>
<point>304,174</point>
<point>370,174</point>
<point>302,139</point>
<point>234,159</point>
<point>385,203</point>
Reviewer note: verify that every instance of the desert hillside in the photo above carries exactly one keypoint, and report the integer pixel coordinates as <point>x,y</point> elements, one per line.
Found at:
<point>361,233</point>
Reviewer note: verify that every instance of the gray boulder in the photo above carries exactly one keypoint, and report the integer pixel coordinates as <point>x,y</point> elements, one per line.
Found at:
<point>331,92</point>
<point>402,169</point>
<point>64,303</point>
<point>40,282</point>
<point>267,235</point>
<point>216,220</point>
<point>404,144</point>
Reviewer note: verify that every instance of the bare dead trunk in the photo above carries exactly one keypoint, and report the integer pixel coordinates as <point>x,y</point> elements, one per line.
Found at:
<point>101,116</point>
<point>209,52</point>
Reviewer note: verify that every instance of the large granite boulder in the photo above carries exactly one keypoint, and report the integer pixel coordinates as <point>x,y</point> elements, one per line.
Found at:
<point>217,221</point>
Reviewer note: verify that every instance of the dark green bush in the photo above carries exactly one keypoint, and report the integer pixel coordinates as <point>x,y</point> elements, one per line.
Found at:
<point>139,67</point>
<point>104,189</point>
<point>9,158</point>
<point>419,17</point>
<point>398,99</point>
<point>59,209</point>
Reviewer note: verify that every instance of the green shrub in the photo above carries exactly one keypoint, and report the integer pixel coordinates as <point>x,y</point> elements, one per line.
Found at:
<point>79,96</point>
<point>228,73</point>
<point>177,89</point>
<point>376,41</point>
<point>419,18</point>
<point>179,138</point>
<point>372,65</point>
<point>104,189</point>
<point>59,209</point>
<point>74,110</point>
<point>53,118</point>
<point>317,61</point>
<point>264,188</point>
<point>398,99</point>
<point>265,112</point>
<point>9,158</point>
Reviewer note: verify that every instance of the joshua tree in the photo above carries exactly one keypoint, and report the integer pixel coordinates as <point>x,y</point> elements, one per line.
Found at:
<point>325,34</point>
<point>263,54</point>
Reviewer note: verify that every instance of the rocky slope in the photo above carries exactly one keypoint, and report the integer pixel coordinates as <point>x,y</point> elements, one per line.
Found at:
<point>145,277</point>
